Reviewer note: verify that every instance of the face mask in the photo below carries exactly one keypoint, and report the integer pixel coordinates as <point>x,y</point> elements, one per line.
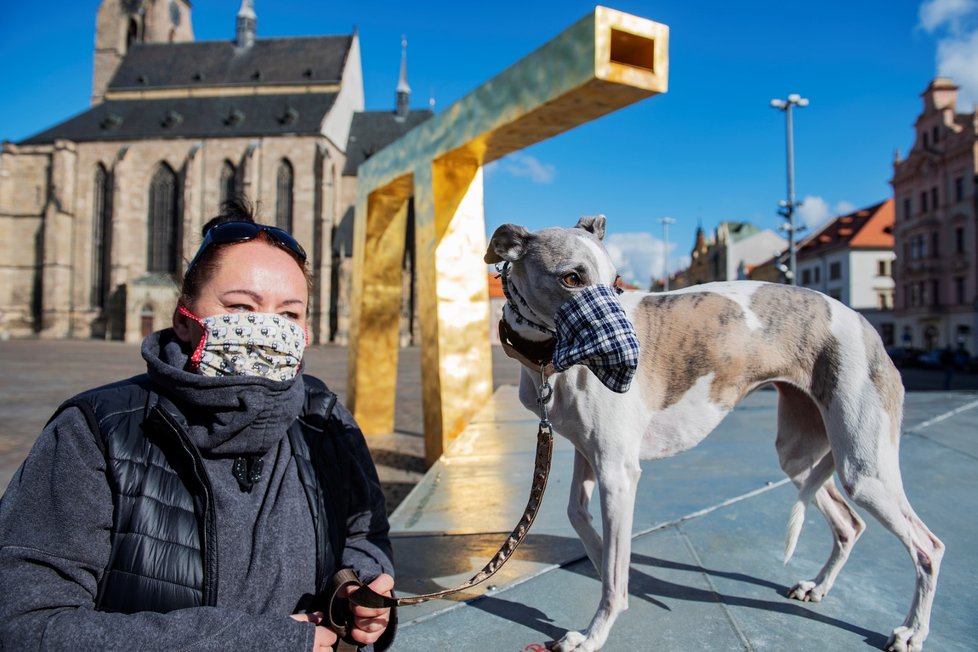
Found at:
<point>248,344</point>
<point>593,330</point>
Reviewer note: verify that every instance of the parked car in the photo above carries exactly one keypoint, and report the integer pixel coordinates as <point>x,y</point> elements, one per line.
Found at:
<point>905,356</point>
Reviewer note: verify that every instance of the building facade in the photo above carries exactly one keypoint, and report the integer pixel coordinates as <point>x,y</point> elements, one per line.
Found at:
<point>730,254</point>
<point>100,214</point>
<point>935,235</point>
<point>850,258</point>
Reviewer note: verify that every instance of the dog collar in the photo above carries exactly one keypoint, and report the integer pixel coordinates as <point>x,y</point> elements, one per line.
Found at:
<point>537,355</point>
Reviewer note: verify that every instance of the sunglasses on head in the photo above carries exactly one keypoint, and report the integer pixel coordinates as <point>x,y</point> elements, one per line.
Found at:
<point>229,232</point>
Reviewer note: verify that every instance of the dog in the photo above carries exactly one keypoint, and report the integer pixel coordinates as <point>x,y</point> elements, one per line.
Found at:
<point>701,350</point>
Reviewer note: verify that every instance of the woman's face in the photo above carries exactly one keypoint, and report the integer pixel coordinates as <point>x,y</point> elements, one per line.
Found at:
<point>252,276</point>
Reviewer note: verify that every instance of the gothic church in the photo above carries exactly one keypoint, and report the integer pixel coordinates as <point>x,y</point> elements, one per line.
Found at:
<point>107,206</point>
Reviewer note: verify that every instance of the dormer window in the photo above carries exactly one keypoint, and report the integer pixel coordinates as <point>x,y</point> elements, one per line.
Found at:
<point>234,117</point>
<point>926,142</point>
<point>171,119</point>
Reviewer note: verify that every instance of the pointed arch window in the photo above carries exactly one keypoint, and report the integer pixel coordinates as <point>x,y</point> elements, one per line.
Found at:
<point>283,195</point>
<point>101,231</point>
<point>229,181</point>
<point>163,221</point>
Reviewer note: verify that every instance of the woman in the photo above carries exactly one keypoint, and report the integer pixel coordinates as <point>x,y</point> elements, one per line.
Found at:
<point>207,503</point>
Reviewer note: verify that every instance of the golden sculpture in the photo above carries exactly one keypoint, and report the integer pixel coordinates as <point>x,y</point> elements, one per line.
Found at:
<point>605,61</point>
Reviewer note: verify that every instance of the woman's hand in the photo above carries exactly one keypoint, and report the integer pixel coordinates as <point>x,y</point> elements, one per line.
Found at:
<point>369,624</point>
<point>325,638</point>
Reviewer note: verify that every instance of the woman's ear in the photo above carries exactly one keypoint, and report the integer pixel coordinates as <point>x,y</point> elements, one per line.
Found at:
<point>183,326</point>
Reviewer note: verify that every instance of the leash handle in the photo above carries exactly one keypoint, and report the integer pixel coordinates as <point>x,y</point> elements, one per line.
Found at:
<point>338,612</point>
<point>364,596</point>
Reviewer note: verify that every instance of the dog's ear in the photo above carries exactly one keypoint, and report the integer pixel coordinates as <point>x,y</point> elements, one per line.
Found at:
<point>507,243</point>
<point>592,223</point>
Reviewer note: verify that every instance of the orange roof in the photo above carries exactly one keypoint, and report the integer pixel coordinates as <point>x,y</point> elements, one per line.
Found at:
<point>878,231</point>
<point>496,286</point>
<point>867,228</point>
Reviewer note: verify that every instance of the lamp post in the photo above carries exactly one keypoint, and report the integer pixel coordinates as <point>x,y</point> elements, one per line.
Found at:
<point>665,222</point>
<point>788,206</point>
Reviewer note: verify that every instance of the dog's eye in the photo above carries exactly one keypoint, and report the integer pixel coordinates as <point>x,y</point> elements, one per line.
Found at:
<point>572,280</point>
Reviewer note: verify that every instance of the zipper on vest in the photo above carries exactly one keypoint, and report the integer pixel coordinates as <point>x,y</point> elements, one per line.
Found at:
<point>208,547</point>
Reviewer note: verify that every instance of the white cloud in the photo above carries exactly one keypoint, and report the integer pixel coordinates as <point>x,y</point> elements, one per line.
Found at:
<point>526,167</point>
<point>937,13</point>
<point>638,257</point>
<point>957,58</point>
<point>815,211</point>
<point>956,24</point>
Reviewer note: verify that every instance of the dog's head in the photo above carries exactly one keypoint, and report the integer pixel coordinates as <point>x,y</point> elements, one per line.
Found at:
<point>551,265</point>
<point>565,279</point>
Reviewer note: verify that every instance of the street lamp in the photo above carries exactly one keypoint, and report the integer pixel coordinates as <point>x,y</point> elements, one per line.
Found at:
<point>788,206</point>
<point>665,222</point>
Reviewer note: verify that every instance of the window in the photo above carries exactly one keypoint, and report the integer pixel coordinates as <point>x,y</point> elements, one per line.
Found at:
<point>806,276</point>
<point>959,290</point>
<point>906,208</point>
<point>935,134</point>
<point>933,198</point>
<point>959,240</point>
<point>935,292</point>
<point>163,221</point>
<point>883,300</point>
<point>918,247</point>
<point>883,267</point>
<point>923,201</point>
<point>835,271</point>
<point>283,196</point>
<point>229,182</point>
<point>818,274</point>
<point>926,140</point>
<point>959,189</point>
<point>934,244</point>
<point>101,228</point>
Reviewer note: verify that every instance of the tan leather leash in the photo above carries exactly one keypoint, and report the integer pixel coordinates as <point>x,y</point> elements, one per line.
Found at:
<point>338,609</point>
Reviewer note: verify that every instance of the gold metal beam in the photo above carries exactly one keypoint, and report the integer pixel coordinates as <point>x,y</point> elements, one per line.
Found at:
<point>605,61</point>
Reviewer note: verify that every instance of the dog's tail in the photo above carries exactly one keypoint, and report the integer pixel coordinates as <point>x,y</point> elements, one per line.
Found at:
<point>817,477</point>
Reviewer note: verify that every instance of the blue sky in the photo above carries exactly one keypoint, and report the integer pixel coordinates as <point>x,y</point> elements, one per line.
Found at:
<point>709,150</point>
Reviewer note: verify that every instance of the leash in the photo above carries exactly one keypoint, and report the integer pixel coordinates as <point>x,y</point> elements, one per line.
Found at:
<point>338,612</point>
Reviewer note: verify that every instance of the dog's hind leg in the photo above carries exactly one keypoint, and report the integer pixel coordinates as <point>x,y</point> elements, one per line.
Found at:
<point>617,483</point>
<point>880,491</point>
<point>582,487</point>
<point>804,453</point>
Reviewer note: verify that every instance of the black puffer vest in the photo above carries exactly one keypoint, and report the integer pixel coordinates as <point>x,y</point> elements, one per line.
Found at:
<point>164,518</point>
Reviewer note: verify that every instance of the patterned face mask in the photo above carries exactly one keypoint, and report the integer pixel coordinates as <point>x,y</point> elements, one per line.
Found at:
<point>593,330</point>
<point>248,344</point>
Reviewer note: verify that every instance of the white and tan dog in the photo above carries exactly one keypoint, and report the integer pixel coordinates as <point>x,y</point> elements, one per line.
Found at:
<point>702,349</point>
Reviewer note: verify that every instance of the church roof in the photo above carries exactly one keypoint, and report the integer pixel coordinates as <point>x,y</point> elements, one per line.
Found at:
<point>200,64</point>
<point>195,117</point>
<point>372,131</point>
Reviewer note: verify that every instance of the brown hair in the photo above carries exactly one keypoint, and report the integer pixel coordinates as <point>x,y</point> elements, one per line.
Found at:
<point>237,209</point>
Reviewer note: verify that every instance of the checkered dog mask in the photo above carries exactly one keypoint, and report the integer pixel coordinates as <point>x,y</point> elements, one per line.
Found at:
<point>592,330</point>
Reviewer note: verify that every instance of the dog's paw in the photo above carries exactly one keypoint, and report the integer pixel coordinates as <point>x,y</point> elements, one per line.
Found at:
<point>906,639</point>
<point>574,642</point>
<point>807,591</point>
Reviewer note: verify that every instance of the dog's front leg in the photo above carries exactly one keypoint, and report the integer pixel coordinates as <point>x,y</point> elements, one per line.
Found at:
<point>582,487</point>
<point>617,484</point>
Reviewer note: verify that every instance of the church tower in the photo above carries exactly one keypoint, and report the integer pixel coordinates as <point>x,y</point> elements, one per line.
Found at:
<point>247,25</point>
<point>121,23</point>
<point>403,90</point>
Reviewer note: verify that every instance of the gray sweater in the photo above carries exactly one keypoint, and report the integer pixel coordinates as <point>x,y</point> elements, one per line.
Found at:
<point>56,517</point>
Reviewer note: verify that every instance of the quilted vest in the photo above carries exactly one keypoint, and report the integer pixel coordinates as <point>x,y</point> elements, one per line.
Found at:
<point>164,517</point>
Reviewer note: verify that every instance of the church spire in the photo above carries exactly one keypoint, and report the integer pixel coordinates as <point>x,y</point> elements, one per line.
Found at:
<point>246,25</point>
<point>403,90</point>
